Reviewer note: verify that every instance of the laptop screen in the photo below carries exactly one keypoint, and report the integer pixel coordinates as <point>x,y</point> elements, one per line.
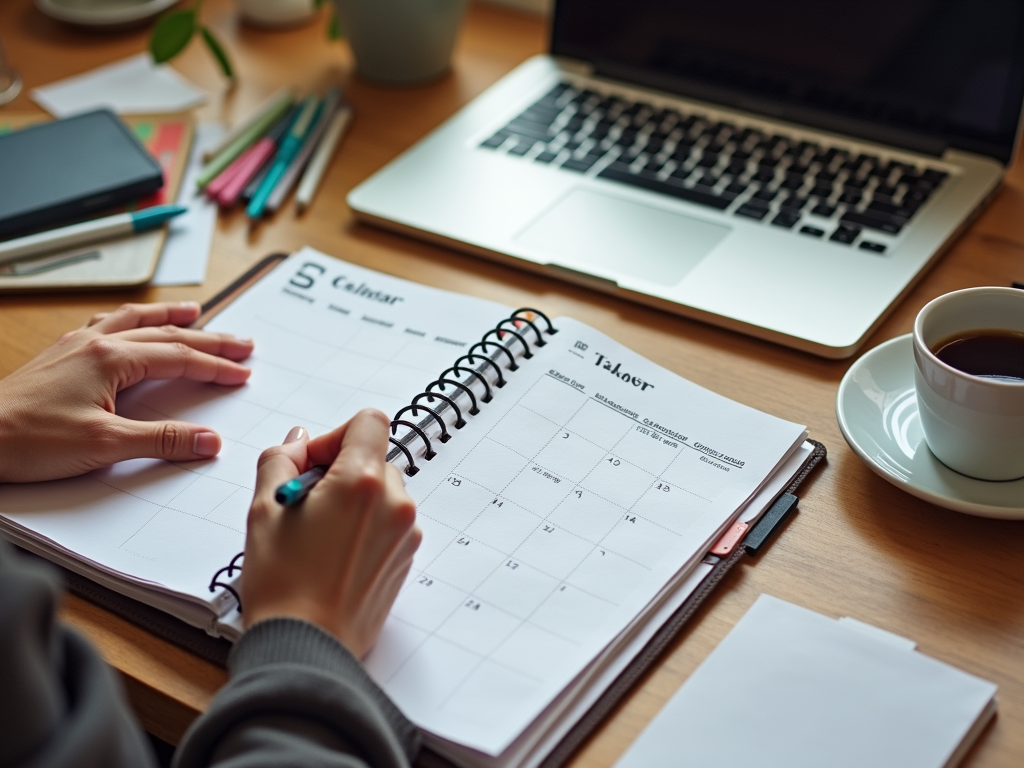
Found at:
<point>922,74</point>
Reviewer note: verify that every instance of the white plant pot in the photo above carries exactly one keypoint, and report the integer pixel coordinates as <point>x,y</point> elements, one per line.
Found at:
<point>401,42</point>
<point>277,13</point>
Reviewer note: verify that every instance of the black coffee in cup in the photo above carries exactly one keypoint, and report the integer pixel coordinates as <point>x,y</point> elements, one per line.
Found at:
<point>991,354</point>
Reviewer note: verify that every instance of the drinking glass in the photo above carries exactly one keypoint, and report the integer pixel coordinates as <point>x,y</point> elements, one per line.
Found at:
<point>10,80</point>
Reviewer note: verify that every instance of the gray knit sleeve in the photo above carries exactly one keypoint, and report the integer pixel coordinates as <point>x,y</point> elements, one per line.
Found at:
<point>297,697</point>
<point>60,705</point>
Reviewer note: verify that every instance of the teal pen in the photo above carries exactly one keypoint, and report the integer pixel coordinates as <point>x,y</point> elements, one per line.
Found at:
<point>289,148</point>
<point>87,232</point>
<point>291,493</point>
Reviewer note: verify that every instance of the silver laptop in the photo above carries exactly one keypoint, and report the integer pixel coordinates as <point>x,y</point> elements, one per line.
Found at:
<point>784,169</point>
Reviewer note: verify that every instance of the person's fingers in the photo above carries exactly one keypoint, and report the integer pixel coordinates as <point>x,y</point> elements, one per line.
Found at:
<point>360,462</point>
<point>324,448</point>
<point>170,440</point>
<point>281,463</point>
<point>220,344</point>
<point>137,361</point>
<point>138,315</point>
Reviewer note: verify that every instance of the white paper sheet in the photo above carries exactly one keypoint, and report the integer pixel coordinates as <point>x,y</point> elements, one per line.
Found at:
<point>134,86</point>
<point>789,688</point>
<point>189,237</point>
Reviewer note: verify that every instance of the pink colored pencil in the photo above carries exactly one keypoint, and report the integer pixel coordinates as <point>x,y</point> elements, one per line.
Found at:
<point>215,187</point>
<point>250,164</point>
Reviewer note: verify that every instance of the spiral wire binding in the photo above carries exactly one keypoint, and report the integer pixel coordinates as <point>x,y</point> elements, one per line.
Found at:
<point>433,415</point>
<point>229,569</point>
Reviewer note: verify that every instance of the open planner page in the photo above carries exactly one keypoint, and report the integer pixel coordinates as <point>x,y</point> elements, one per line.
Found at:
<point>551,521</point>
<point>331,338</point>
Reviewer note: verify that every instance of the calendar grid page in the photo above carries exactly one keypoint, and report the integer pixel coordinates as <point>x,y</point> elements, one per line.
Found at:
<point>551,521</point>
<point>330,338</point>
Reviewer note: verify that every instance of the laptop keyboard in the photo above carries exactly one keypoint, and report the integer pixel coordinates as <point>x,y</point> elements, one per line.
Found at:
<point>817,190</point>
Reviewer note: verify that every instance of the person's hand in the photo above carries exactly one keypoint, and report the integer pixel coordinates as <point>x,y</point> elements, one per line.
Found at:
<point>339,558</point>
<point>57,412</point>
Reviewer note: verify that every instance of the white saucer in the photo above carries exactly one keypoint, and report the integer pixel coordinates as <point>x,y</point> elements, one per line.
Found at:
<point>877,411</point>
<point>103,13</point>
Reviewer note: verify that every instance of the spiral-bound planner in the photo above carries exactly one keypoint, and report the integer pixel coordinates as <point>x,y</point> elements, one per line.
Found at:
<point>574,497</point>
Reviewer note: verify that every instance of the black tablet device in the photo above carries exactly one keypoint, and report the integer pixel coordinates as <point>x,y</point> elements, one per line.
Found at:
<point>54,173</point>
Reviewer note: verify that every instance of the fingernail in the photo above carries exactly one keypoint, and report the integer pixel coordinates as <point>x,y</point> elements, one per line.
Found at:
<point>189,304</point>
<point>246,340</point>
<point>206,444</point>
<point>296,433</point>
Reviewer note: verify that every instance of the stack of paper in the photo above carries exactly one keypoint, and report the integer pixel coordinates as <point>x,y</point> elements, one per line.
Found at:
<point>791,688</point>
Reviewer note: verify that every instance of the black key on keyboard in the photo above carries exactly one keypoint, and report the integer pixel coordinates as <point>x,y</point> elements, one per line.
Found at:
<point>654,145</point>
<point>823,210</point>
<point>785,219</point>
<point>888,224</point>
<point>792,182</point>
<point>654,166</point>
<point>751,211</point>
<point>529,129</point>
<point>888,209</point>
<point>763,176</point>
<point>852,183</point>
<point>710,160</point>
<point>812,231</point>
<point>867,245</point>
<point>736,188</point>
<point>546,157</point>
<point>582,164</point>
<point>794,203</point>
<point>679,173</point>
<point>845,234</point>
<point>765,194</point>
<point>544,115</point>
<point>850,198</point>
<point>496,140</point>
<point>692,195</point>
<point>521,148</point>
<point>627,138</point>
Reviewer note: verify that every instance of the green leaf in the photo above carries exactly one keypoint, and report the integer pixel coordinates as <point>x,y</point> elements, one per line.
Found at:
<point>334,30</point>
<point>171,34</point>
<point>218,53</point>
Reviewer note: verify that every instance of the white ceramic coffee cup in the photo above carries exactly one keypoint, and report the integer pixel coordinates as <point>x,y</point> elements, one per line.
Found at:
<point>972,424</point>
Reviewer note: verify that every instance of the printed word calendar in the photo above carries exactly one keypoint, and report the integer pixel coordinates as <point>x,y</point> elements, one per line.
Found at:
<point>588,483</point>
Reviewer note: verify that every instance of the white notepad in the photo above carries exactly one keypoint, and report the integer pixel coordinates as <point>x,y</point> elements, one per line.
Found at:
<point>561,524</point>
<point>790,688</point>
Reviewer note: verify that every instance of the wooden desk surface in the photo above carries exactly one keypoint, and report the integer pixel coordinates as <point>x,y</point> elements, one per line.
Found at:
<point>859,547</point>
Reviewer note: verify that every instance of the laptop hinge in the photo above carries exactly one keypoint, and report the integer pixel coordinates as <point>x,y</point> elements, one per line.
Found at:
<point>575,66</point>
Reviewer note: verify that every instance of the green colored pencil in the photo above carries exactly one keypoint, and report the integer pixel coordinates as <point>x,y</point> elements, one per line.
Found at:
<point>242,143</point>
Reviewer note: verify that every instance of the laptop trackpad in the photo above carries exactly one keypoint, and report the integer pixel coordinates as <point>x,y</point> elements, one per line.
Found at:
<point>589,231</point>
